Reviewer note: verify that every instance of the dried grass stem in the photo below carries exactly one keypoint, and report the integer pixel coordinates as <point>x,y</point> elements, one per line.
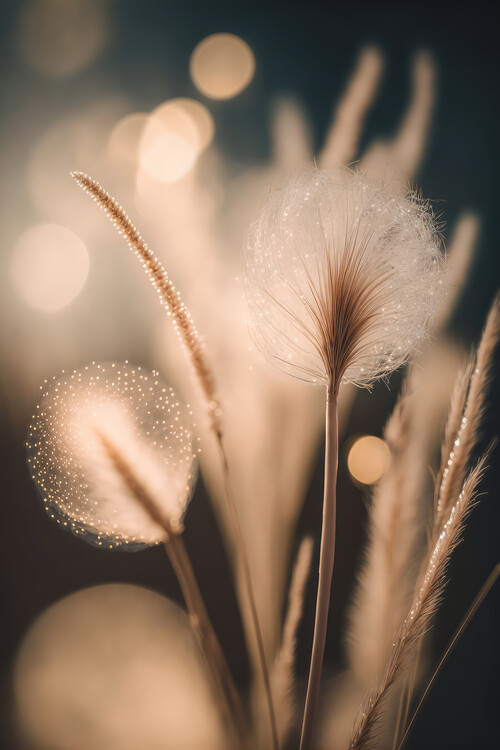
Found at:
<point>479,599</point>
<point>425,602</point>
<point>174,545</point>
<point>247,579</point>
<point>194,348</point>
<point>326,561</point>
<point>207,639</point>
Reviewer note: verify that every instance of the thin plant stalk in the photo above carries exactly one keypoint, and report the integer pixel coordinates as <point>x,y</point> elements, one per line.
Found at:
<point>481,596</point>
<point>326,561</point>
<point>398,720</point>
<point>412,682</point>
<point>426,599</point>
<point>200,622</point>
<point>195,351</point>
<point>406,698</point>
<point>282,675</point>
<point>198,616</point>
<point>247,579</point>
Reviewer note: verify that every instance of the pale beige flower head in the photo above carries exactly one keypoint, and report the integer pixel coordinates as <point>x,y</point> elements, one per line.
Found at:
<point>343,276</point>
<point>111,451</point>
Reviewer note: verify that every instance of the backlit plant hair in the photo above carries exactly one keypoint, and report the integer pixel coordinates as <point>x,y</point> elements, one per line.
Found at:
<point>195,352</point>
<point>343,278</point>
<point>110,449</point>
<point>90,421</point>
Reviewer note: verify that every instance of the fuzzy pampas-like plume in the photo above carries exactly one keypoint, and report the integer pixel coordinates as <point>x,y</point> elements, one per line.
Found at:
<point>195,352</point>
<point>459,257</point>
<point>111,451</point>
<point>466,412</point>
<point>343,137</point>
<point>424,605</point>
<point>455,495</point>
<point>386,584</point>
<point>343,277</point>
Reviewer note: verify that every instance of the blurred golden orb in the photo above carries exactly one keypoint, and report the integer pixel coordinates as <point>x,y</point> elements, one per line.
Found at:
<point>61,37</point>
<point>174,136</point>
<point>49,266</point>
<point>368,459</point>
<point>123,142</point>
<point>114,667</point>
<point>222,65</point>
<point>71,142</point>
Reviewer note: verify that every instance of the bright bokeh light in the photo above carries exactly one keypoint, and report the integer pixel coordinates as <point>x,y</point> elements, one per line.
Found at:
<point>201,118</point>
<point>49,266</point>
<point>73,142</point>
<point>61,37</point>
<point>123,143</point>
<point>368,459</point>
<point>114,667</point>
<point>174,136</point>
<point>169,157</point>
<point>222,65</point>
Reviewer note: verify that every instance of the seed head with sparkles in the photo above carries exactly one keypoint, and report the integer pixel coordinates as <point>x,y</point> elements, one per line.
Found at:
<point>111,451</point>
<point>343,277</point>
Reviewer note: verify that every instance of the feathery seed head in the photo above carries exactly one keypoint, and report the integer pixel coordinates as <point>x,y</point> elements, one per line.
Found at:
<point>343,277</point>
<point>168,294</point>
<point>111,452</point>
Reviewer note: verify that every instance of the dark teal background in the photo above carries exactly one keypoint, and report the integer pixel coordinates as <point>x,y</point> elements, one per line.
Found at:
<point>308,50</point>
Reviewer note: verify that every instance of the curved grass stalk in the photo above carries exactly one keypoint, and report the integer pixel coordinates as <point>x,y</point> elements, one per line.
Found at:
<point>465,417</point>
<point>479,599</point>
<point>425,602</point>
<point>174,545</point>
<point>195,351</point>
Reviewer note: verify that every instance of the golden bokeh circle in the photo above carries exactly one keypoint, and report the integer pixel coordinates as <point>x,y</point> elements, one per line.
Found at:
<point>222,65</point>
<point>368,459</point>
<point>49,266</point>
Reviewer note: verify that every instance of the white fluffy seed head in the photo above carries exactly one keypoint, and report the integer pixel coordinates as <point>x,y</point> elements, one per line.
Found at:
<point>343,276</point>
<point>101,438</point>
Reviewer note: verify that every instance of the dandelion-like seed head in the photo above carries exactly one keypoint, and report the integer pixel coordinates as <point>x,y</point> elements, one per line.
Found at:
<point>343,277</point>
<point>111,451</point>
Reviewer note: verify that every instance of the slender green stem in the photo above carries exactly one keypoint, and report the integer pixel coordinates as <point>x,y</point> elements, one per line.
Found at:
<point>326,560</point>
<point>207,639</point>
<point>247,580</point>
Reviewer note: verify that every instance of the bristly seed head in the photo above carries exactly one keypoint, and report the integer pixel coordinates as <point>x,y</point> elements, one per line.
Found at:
<point>168,294</point>
<point>343,277</point>
<point>110,449</point>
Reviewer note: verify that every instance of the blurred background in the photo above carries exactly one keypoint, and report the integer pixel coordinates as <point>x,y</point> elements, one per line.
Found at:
<point>189,113</point>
